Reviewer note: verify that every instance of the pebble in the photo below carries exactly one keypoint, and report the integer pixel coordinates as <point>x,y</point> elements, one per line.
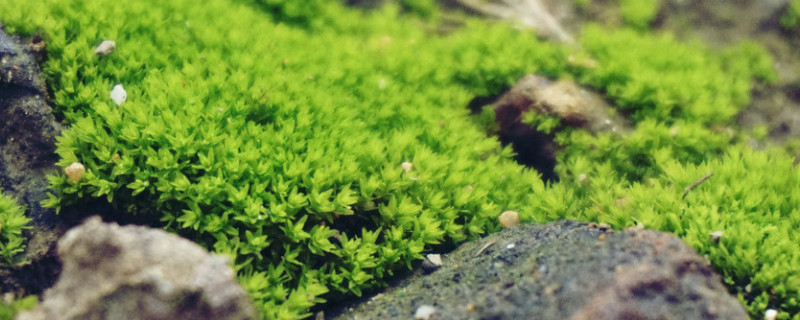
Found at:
<point>105,48</point>
<point>770,314</point>
<point>716,235</point>
<point>509,218</point>
<point>75,172</point>
<point>118,94</point>
<point>425,312</point>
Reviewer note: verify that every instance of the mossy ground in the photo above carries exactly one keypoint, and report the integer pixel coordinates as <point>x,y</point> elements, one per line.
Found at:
<point>275,133</point>
<point>12,222</point>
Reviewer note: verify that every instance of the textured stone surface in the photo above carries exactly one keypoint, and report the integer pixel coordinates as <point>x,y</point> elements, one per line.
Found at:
<point>28,133</point>
<point>575,106</point>
<point>28,129</point>
<point>562,270</point>
<point>133,272</point>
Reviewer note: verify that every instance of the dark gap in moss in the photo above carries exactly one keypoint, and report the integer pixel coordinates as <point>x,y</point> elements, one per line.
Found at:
<point>351,225</point>
<point>476,104</point>
<point>76,213</point>
<point>533,149</point>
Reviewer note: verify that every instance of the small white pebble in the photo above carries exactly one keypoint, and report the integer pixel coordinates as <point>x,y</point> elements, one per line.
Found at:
<point>509,218</point>
<point>435,259</point>
<point>105,48</point>
<point>511,246</point>
<point>75,172</point>
<point>716,235</point>
<point>425,312</point>
<point>407,166</point>
<point>770,314</point>
<point>118,94</point>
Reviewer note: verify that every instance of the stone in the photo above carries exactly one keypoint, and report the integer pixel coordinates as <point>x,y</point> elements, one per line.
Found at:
<point>561,270</point>
<point>575,106</point>
<point>75,172</point>
<point>509,219</point>
<point>28,132</point>
<point>425,312</point>
<point>118,94</point>
<point>134,272</point>
<point>105,48</point>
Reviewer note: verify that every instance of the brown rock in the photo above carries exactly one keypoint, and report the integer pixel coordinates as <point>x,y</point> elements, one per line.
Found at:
<point>576,106</point>
<point>132,272</point>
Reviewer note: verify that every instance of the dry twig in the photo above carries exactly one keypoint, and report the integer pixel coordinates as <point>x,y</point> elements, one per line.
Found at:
<point>695,184</point>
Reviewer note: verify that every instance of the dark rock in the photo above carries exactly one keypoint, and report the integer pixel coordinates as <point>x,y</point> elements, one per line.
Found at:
<point>562,270</point>
<point>28,129</point>
<point>134,272</point>
<point>28,133</point>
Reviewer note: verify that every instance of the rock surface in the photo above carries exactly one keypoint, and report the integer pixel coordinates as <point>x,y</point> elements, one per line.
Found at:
<point>133,272</point>
<point>28,133</point>
<point>28,129</point>
<point>562,270</point>
<point>575,106</point>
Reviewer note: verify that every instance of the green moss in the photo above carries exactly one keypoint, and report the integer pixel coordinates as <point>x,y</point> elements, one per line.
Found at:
<point>8,311</point>
<point>791,19</point>
<point>655,77</point>
<point>542,123</point>
<point>639,13</point>
<point>276,133</point>
<point>12,222</point>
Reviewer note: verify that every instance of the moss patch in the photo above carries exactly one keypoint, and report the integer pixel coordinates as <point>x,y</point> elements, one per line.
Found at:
<point>276,134</point>
<point>12,222</point>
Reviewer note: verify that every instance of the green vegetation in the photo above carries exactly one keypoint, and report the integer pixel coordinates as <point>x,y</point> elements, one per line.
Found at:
<point>9,310</point>
<point>639,13</point>
<point>12,222</point>
<point>791,19</point>
<point>275,133</point>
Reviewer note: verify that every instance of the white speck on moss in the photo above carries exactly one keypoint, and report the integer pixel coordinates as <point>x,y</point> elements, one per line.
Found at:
<point>118,94</point>
<point>716,235</point>
<point>770,314</point>
<point>407,166</point>
<point>105,48</point>
<point>75,172</point>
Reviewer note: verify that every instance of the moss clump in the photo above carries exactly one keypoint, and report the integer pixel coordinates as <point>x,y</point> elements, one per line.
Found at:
<point>639,13</point>
<point>655,77</point>
<point>277,135</point>
<point>12,222</point>
<point>791,19</point>
<point>9,310</point>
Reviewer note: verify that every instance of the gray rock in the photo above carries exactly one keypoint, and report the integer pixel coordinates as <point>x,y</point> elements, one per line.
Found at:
<point>562,270</point>
<point>28,129</point>
<point>28,133</point>
<point>134,272</point>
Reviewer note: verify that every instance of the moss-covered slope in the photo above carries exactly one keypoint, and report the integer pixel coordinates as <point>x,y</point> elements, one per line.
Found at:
<point>278,134</point>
